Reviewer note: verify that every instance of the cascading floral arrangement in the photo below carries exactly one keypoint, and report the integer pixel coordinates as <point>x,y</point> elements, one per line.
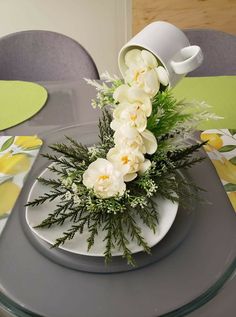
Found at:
<point>146,136</point>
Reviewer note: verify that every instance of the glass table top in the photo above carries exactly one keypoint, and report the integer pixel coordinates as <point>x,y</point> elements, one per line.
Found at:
<point>186,278</point>
<point>179,283</point>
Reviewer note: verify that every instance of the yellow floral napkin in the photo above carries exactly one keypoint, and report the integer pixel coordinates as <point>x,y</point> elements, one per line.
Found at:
<point>221,149</point>
<point>17,155</point>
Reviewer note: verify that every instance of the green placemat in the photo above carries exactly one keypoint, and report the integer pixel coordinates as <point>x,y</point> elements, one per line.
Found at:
<point>19,101</point>
<point>219,92</point>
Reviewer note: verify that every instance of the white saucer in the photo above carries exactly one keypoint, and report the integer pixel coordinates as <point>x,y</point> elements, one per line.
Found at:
<point>35,215</point>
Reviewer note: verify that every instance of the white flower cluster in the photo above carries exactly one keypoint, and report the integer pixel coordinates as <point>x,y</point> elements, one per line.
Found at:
<point>144,72</point>
<point>132,140</point>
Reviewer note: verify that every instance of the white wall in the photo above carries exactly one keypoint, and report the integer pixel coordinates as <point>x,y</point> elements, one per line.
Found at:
<point>101,26</point>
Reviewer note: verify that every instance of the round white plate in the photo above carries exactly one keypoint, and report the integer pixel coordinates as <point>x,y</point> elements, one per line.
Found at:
<point>35,215</point>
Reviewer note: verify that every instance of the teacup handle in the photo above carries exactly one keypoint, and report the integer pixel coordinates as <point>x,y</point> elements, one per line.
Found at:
<point>193,58</point>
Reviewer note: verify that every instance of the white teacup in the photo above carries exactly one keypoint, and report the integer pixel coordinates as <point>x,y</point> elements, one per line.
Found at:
<point>171,48</point>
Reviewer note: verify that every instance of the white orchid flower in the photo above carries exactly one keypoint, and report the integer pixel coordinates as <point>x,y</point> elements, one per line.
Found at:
<point>129,162</point>
<point>141,71</point>
<point>105,179</point>
<point>125,93</point>
<point>130,115</point>
<point>149,82</point>
<point>134,58</point>
<point>130,138</point>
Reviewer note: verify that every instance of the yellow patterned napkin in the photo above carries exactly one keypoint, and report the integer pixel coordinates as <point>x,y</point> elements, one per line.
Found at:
<point>221,149</point>
<point>17,155</point>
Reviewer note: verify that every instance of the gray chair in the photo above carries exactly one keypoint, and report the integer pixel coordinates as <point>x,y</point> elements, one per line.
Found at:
<point>44,56</point>
<point>219,51</point>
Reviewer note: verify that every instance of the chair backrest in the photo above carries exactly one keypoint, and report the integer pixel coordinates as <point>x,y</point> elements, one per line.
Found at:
<point>44,56</point>
<point>219,50</point>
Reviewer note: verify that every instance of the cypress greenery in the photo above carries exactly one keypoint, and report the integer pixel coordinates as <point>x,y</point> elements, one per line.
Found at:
<point>116,215</point>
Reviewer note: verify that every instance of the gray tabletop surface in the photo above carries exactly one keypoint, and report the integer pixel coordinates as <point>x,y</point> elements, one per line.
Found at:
<point>69,103</point>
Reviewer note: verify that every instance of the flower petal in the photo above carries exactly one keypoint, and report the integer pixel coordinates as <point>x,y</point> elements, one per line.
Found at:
<point>144,167</point>
<point>141,121</point>
<point>149,59</point>
<point>115,124</point>
<point>149,141</point>
<point>162,75</point>
<point>137,94</point>
<point>121,93</point>
<point>133,57</point>
<point>130,177</point>
<point>129,76</point>
<point>151,82</point>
